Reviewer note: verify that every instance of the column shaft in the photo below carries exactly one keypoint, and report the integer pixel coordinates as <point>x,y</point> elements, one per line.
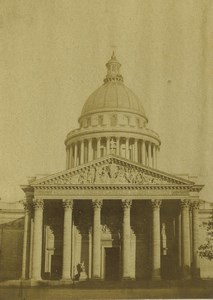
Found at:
<point>67,239</point>
<point>127,148</point>
<point>37,239</point>
<point>26,241</point>
<point>136,151</point>
<point>96,254</point>
<point>143,146</point>
<point>156,240</point>
<point>82,152</point>
<point>98,147</point>
<point>67,158</point>
<point>126,204</point>
<point>195,237</point>
<point>75,154</point>
<point>149,155</point>
<point>90,150</point>
<point>117,146</point>
<point>185,239</point>
<point>155,155</point>
<point>108,145</point>
<point>71,157</point>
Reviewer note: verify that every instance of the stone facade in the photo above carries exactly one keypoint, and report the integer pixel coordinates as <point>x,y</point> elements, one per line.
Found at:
<point>112,214</point>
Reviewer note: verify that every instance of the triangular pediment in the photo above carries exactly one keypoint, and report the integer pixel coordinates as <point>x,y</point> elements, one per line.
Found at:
<point>111,170</point>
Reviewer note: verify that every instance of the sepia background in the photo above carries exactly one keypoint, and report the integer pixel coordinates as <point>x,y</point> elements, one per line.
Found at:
<point>53,55</point>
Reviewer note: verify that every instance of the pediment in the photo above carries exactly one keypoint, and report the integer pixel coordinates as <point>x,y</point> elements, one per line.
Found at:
<point>111,170</point>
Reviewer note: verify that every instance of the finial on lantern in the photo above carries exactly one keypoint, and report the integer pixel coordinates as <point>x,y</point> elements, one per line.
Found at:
<point>113,70</point>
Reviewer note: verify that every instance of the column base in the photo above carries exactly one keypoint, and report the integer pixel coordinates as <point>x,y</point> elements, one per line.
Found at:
<point>127,278</point>
<point>36,279</point>
<point>35,282</point>
<point>185,272</point>
<point>156,274</point>
<point>66,281</point>
<point>96,278</point>
<point>196,273</point>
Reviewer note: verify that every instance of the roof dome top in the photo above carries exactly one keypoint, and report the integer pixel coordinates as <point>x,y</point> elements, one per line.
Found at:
<point>113,95</point>
<point>113,70</point>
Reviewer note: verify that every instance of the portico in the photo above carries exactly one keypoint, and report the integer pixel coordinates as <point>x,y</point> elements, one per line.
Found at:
<point>96,217</point>
<point>111,214</point>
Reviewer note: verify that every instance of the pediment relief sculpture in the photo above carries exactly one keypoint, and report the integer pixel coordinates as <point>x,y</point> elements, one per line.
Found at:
<point>110,173</point>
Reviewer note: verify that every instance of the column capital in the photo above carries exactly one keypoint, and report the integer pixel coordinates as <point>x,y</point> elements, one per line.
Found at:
<point>67,203</point>
<point>38,203</point>
<point>126,203</point>
<point>184,203</point>
<point>97,203</point>
<point>195,204</point>
<point>156,203</point>
<point>27,205</point>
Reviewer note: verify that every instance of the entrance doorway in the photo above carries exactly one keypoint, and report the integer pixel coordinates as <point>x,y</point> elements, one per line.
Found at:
<point>112,263</point>
<point>56,267</point>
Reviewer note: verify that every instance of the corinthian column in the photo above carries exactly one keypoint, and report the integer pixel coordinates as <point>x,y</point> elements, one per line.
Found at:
<point>26,241</point>
<point>156,242</point>
<point>195,238</point>
<point>118,146</point>
<point>98,147</point>
<point>67,239</point>
<point>155,156</point>
<point>143,149</point>
<point>96,246</point>
<point>126,204</point>
<point>108,145</point>
<point>185,238</point>
<point>71,157</point>
<point>82,152</point>
<point>127,148</point>
<point>37,238</point>
<point>75,154</point>
<point>149,155</point>
<point>67,158</point>
<point>136,151</point>
<point>90,150</point>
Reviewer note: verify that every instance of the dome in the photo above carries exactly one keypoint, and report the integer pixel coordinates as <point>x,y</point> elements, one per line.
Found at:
<point>113,95</point>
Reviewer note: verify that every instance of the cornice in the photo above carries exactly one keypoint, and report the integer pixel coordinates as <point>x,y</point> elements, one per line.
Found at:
<point>109,110</point>
<point>111,187</point>
<point>78,135</point>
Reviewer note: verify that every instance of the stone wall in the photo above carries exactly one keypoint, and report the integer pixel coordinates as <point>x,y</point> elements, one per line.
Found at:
<point>11,247</point>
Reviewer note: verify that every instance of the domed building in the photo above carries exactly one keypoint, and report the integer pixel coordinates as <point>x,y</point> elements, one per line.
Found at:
<point>112,121</point>
<point>112,214</point>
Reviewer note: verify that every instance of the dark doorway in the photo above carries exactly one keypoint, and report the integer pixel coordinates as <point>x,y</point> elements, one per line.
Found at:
<point>112,263</point>
<point>56,267</point>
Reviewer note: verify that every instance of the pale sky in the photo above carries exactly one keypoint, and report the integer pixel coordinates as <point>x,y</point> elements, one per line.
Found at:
<point>53,55</point>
